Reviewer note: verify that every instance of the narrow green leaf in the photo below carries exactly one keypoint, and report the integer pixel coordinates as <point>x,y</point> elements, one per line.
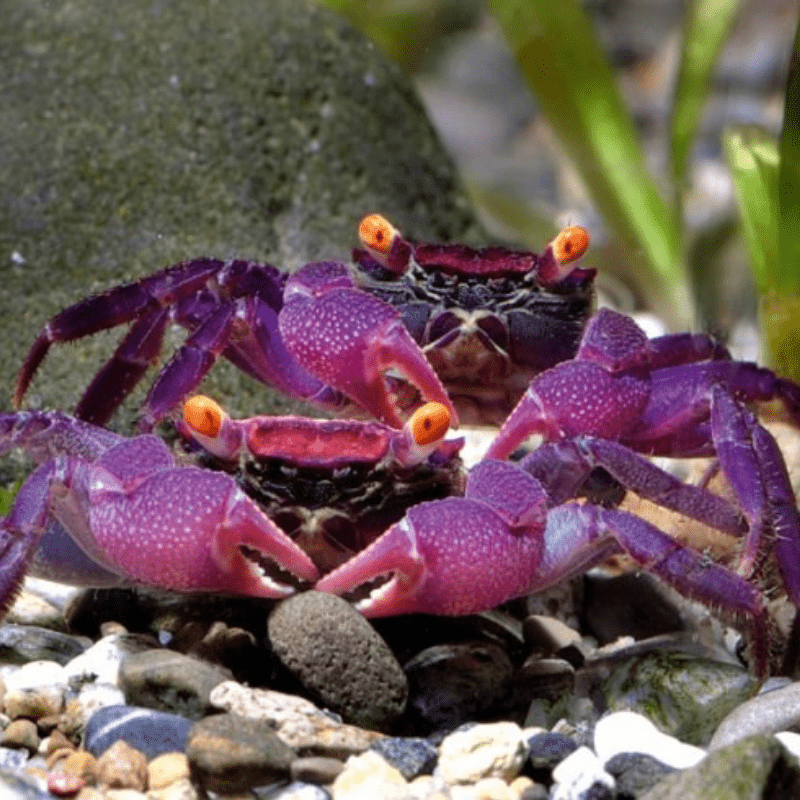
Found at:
<point>786,277</point>
<point>558,52</point>
<point>752,157</point>
<point>706,25</point>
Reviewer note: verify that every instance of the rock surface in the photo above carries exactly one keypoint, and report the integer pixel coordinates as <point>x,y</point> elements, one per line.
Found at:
<point>135,137</point>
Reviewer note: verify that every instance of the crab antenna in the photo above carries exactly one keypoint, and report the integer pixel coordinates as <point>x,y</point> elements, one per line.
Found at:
<point>422,433</point>
<point>560,255</point>
<point>206,422</point>
<point>384,243</point>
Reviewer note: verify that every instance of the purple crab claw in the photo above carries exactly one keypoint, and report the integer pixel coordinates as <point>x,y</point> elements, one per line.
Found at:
<point>354,342</point>
<point>139,516</point>
<point>453,556</point>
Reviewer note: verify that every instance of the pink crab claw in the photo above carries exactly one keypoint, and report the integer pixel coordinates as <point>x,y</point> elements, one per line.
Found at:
<point>354,341</point>
<point>139,516</point>
<point>437,557</point>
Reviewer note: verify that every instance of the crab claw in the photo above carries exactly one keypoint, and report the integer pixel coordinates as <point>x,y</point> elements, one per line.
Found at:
<point>351,339</point>
<point>453,556</point>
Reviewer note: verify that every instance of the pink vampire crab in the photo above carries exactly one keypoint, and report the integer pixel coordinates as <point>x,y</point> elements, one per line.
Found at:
<point>518,528</point>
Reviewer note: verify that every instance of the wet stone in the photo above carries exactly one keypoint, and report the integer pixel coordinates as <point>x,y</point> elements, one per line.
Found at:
<point>20,644</point>
<point>751,769</point>
<point>151,732</point>
<point>581,776</point>
<point>409,755</point>
<point>685,696</point>
<point>229,754</point>
<point>315,769</point>
<point>339,658</point>
<point>766,713</point>
<point>635,773</point>
<point>169,681</point>
<point>548,749</point>
<point>451,684</point>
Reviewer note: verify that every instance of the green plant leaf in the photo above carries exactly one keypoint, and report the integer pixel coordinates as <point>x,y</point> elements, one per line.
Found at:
<point>557,50</point>
<point>705,28</point>
<point>752,157</point>
<point>786,272</point>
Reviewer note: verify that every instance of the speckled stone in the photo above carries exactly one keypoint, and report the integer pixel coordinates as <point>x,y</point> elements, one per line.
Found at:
<point>368,775</point>
<point>230,754</point>
<point>339,658</point>
<point>296,720</point>
<point>21,733</point>
<point>166,769</point>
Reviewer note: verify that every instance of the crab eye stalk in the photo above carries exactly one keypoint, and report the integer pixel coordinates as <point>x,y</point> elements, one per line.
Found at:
<point>384,243</point>
<point>429,423</point>
<point>209,426</point>
<point>203,415</point>
<point>570,244</point>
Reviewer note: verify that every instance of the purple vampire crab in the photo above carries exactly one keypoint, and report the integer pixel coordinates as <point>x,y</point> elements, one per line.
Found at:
<point>338,335</point>
<point>609,398</point>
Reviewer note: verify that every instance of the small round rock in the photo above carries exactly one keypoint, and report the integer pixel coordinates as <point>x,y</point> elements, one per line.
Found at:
<point>339,658</point>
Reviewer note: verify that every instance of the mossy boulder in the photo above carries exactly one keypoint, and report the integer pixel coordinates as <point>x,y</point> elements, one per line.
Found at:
<point>134,136</point>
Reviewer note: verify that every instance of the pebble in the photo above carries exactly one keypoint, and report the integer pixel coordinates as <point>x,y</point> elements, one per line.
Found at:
<point>497,749</point>
<point>636,773</point>
<point>169,681</point>
<point>20,644</point>
<point>166,769</point>
<point>547,749</point>
<point>765,713</point>
<point>451,684</point>
<point>368,775</point>
<point>122,767</point>
<point>411,756</point>
<point>628,732</point>
<point>315,769</point>
<point>21,733</point>
<point>81,764</point>
<point>339,658</point>
<point>228,753</point>
<point>296,720</point>
<point>581,775</point>
<point>101,662</point>
<point>151,732</point>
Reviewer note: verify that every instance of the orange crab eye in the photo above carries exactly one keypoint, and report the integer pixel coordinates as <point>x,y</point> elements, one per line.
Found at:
<point>429,423</point>
<point>203,415</point>
<point>570,244</point>
<point>376,233</point>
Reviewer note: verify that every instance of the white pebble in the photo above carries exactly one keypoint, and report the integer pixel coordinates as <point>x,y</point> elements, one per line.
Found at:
<point>791,741</point>
<point>492,750</point>
<point>628,732</point>
<point>578,773</point>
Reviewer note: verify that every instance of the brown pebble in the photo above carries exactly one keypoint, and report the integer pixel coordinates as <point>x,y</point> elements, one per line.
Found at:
<point>122,767</point>
<point>62,754</point>
<point>110,628</point>
<point>58,741</point>
<point>64,785</point>
<point>21,733</point>
<point>82,764</point>
<point>166,769</point>
<point>48,724</point>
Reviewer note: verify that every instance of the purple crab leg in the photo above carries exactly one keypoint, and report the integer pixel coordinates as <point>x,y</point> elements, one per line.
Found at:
<point>117,305</point>
<point>562,467</point>
<point>753,464</point>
